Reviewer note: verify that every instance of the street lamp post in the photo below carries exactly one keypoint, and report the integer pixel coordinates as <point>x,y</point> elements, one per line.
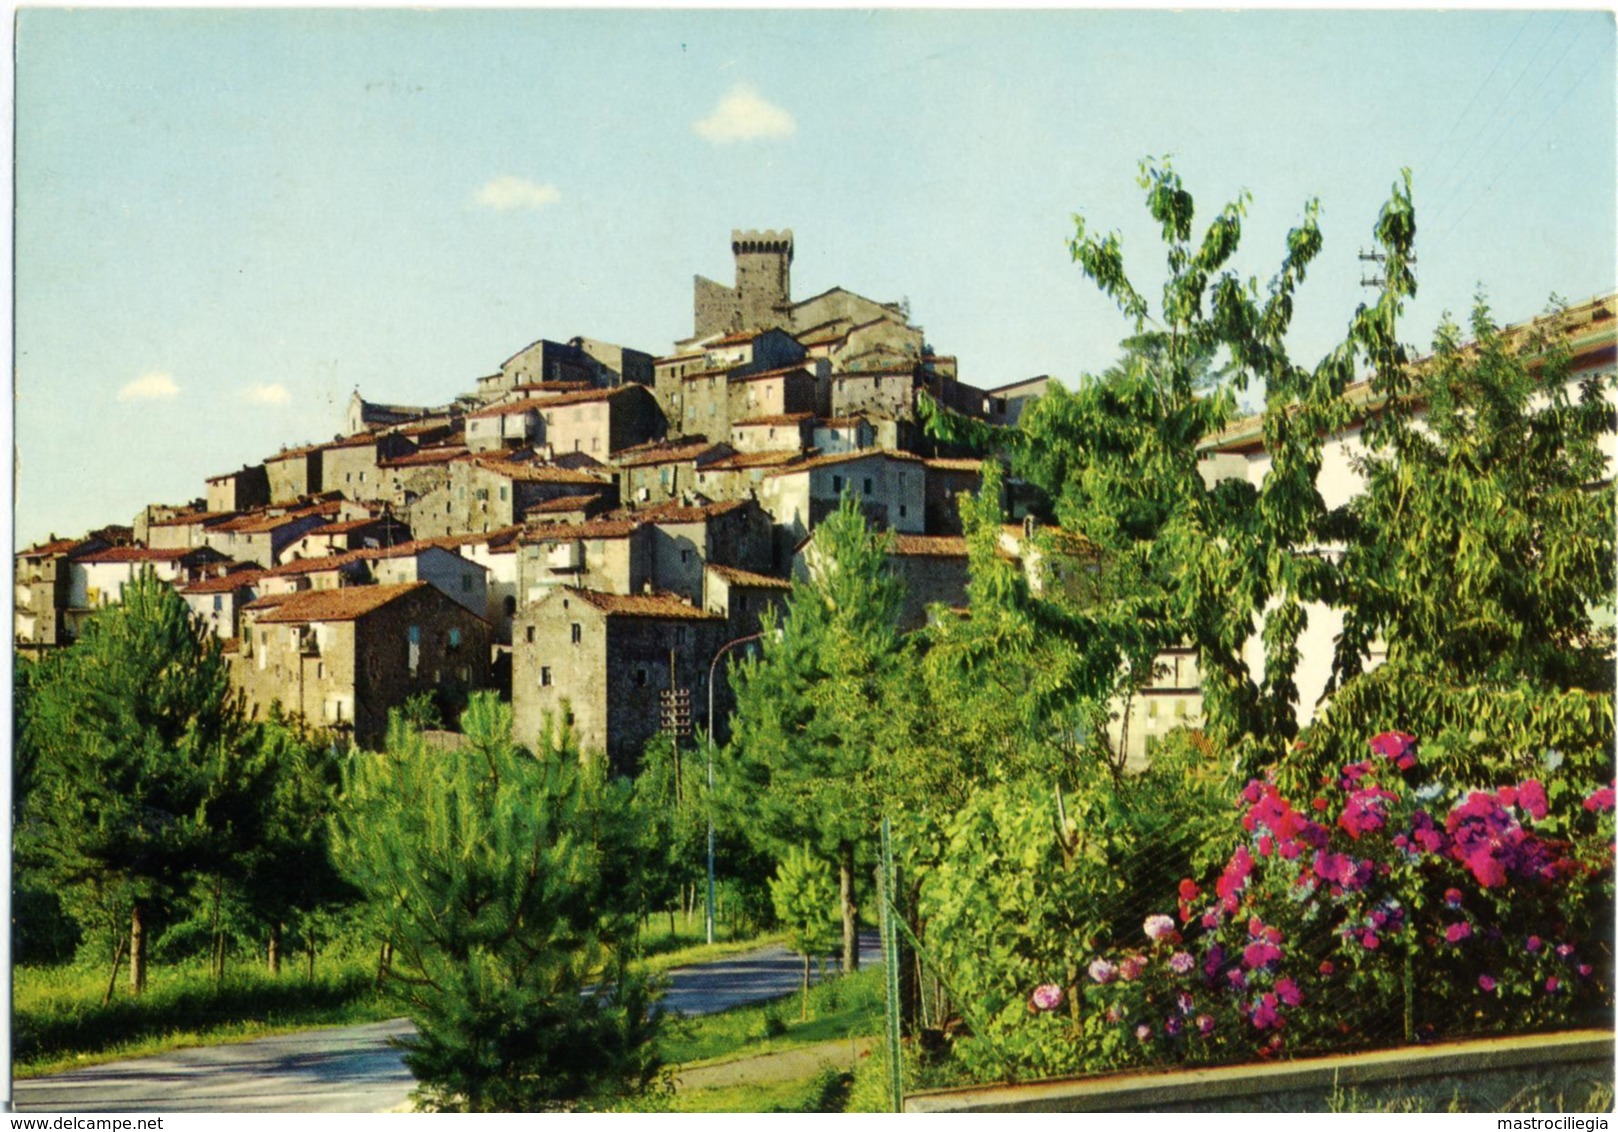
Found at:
<point>712,667</point>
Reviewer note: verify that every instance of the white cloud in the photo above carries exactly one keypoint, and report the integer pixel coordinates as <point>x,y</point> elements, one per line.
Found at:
<point>152,386</point>
<point>743,116</point>
<point>506,193</point>
<point>267,394</point>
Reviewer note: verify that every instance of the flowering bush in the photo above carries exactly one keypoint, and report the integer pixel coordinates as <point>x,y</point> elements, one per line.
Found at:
<point>1390,907</point>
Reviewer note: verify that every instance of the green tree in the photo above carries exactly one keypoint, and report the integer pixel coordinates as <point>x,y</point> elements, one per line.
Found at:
<point>502,876</point>
<point>800,766</point>
<point>803,894</point>
<point>1213,563</point>
<point>139,778</point>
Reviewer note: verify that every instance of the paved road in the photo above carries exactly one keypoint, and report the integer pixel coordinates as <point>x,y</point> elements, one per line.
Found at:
<point>353,1069</point>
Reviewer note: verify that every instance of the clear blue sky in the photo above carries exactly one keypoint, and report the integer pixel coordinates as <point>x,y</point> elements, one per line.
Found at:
<point>228,220</point>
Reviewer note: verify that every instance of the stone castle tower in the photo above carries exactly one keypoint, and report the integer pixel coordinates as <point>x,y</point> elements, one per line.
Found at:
<point>763,291</point>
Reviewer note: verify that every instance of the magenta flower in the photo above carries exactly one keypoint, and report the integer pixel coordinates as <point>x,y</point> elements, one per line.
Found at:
<point>1238,978</point>
<point>1234,878</point>
<point>1585,970</point>
<point>1455,933</point>
<point>1552,985</point>
<point>1205,1025</point>
<point>1327,968</point>
<point>1397,747</point>
<point>1369,941</point>
<point>1260,954</point>
<point>1103,972</point>
<point>1531,797</point>
<point>1601,800</point>
<point>1265,1015</point>
<point>1534,944</point>
<point>1486,984</point>
<point>1159,927</point>
<point>1452,897</point>
<point>1287,991</point>
<point>1181,963</point>
<point>1129,970</point>
<point>1046,997</point>
<point>1172,1025</point>
<point>1184,1002</point>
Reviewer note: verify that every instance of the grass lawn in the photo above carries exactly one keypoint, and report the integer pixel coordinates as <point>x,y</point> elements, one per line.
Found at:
<point>58,1021</point>
<point>840,1008</point>
<point>826,1091</point>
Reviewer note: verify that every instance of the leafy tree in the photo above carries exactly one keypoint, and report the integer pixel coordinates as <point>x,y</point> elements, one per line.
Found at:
<point>1214,562</point>
<point>803,895</point>
<point>501,873</point>
<point>800,759</point>
<point>670,818</point>
<point>139,778</point>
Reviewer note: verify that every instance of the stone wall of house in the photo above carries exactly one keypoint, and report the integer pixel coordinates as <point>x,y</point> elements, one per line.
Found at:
<point>238,491</point>
<point>293,476</point>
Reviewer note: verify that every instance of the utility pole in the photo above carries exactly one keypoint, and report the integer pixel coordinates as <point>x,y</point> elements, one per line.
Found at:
<point>1376,258</point>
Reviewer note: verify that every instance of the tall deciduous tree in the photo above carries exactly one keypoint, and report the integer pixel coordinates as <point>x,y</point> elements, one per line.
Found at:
<point>502,876</point>
<point>1216,562</point>
<point>800,759</point>
<point>140,779</point>
<point>803,895</point>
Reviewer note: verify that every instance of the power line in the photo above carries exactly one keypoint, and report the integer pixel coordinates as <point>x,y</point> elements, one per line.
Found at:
<point>1476,94</point>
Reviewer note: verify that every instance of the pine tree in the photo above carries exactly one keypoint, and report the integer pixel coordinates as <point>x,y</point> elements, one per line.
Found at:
<point>139,778</point>
<point>504,877</point>
<point>802,893</point>
<point>805,729</point>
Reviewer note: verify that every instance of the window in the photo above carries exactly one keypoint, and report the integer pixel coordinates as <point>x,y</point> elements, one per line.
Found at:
<point>528,633</point>
<point>837,484</point>
<point>578,632</point>
<point>503,494</point>
<point>466,583</point>
<point>902,511</point>
<point>640,676</point>
<point>867,485</point>
<point>454,638</point>
<point>218,602</point>
<point>545,676</point>
<point>413,650</point>
<point>595,444</point>
<point>685,556</point>
<point>510,606</point>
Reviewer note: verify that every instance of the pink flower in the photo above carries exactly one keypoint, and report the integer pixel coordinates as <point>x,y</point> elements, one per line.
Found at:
<point>1486,984</point>
<point>1172,1025</point>
<point>1397,747</point>
<point>1103,972</point>
<point>1234,878</point>
<point>1181,963</point>
<point>1552,985</point>
<point>1585,970</point>
<point>1531,797</point>
<point>1534,944</point>
<point>1159,927</point>
<point>1205,1025</point>
<point>1287,991</point>
<point>1129,970</point>
<point>1327,968</point>
<point>1265,1015</point>
<point>1452,897</point>
<point>1601,801</point>
<point>1238,979</point>
<point>1260,954</point>
<point>1143,1032</point>
<point>1455,933</point>
<point>1046,997</point>
<point>1564,951</point>
<point>1370,942</point>
<point>1188,890</point>
<point>1184,1002</point>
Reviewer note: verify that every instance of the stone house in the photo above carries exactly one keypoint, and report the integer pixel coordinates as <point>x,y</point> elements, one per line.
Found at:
<point>742,597</point>
<point>762,295</point>
<point>610,555</point>
<point>343,658</point>
<point>97,579</point>
<point>460,579</point>
<point>1004,405</point>
<point>837,435</point>
<point>324,573</point>
<point>406,479</point>
<point>603,661</point>
<point>684,538</point>
<point>664,469</point>
<point>350,534</point>
<point>741,475</point>
<point>506,425</point>
<point>948,478</point>
<point>889,485</point>
<point>601,422</point>
<point>217,602</point>
<point>880,343</point>
<point>713,401</point>
<point>773,433</point>
<point>239,491</point>
<point>294,473</point>
<point>616,365</point>
<point>888,392</point>
<point>485,494</point>
<point>933,569</point>
<point>263,538</point>
<point>42,593</point>
<point>185,530</point>
<point>353,465</point>
<point>539,363</point>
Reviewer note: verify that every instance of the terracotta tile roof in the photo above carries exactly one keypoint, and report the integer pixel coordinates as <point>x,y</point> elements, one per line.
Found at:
<point>929,546</point>
<point>260,524</point>
<point>842,422</point>
<point>192,517</point>
<point>139,554</point>
<point>425,457</point>
<point>345,604</point>
<point>565,503</point>
<point>954,464</point>
<point>743,460</point>
<point>358,440</point>
<point>228,583</point>
<point>508,408</point>
<point>317,565</point>
<point>657,605</point>
<point>813,462</point>
<point>769,374</point>
<point>777,421</point>
<point>735,576</point>
<point>536,473</point>
<point>665,452</point>
<point>292,453</point>
<point>737,338</point>
<point>672,512</point>
<point>46,549</point>
<point>572,532</point>
<point>587,395</point>
<point>268,601</point>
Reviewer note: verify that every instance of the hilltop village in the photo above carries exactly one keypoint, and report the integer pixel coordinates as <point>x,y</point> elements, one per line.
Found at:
<point>585,530</point>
